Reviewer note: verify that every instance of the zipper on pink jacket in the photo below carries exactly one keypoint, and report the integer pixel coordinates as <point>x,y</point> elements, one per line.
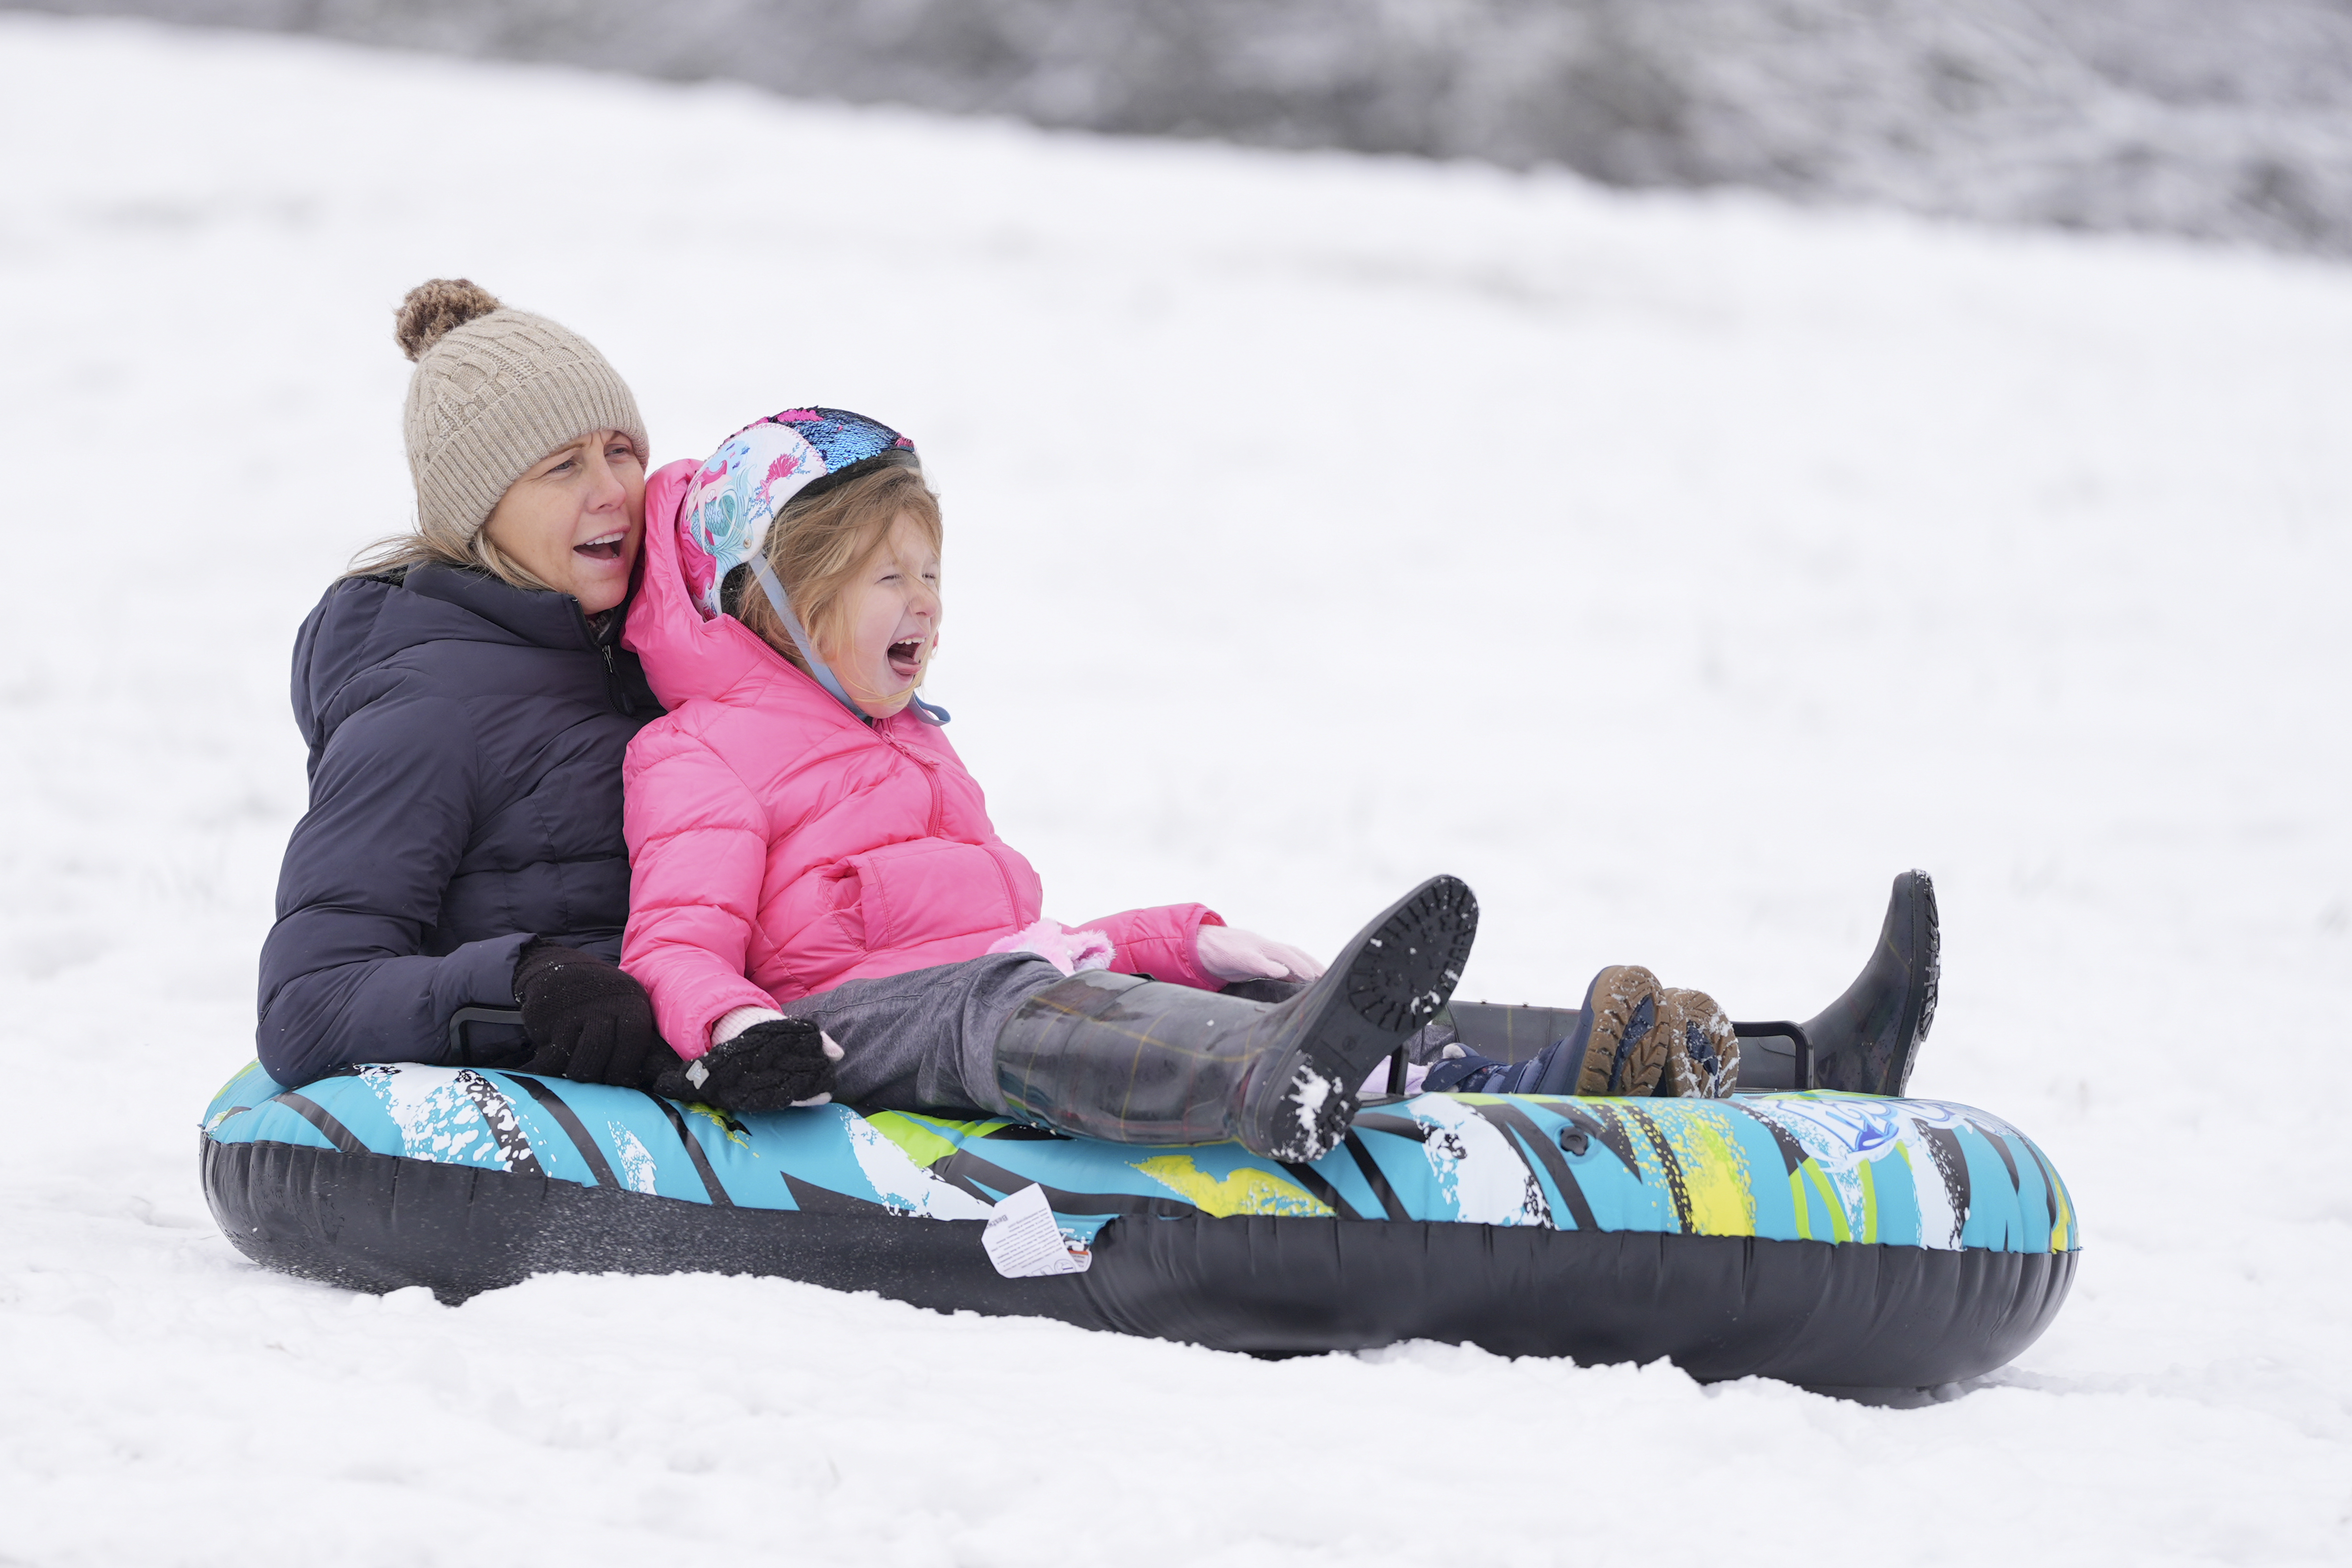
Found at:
<point>930,766</point>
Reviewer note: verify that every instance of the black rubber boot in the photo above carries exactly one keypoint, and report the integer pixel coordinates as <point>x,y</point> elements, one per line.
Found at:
<point>1865,1041</point>
<point>1109,1056</point>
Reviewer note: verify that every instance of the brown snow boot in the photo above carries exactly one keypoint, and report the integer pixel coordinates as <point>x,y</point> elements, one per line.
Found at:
<point>1617,1048</point>
<point>1702,1053</point>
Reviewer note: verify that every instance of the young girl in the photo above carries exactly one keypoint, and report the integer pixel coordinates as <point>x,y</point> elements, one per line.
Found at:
<point>803,837</point>
<point>820,907</point>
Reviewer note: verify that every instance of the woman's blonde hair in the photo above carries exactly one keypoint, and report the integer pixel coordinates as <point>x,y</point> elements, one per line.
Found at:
<point>821,544</point>
<point>436,540</point>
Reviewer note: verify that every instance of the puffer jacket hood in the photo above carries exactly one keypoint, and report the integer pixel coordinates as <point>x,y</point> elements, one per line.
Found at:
<point>781,844</point>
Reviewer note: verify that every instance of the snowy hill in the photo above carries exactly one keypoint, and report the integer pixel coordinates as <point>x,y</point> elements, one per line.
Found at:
<point>1675,569</point>
<point>2230,120</point>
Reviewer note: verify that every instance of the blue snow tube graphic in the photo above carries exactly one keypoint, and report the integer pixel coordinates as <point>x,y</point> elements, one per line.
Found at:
<point>1828,1239</point>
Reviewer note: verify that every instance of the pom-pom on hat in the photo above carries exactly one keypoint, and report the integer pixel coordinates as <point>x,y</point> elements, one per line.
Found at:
<point>494,390</point>
<point>758,469</point>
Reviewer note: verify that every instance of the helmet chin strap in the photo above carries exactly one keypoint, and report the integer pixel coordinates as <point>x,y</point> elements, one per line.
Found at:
<point>928,712</point>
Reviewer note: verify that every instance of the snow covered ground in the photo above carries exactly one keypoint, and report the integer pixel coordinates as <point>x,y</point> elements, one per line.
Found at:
<point>1675,570</point>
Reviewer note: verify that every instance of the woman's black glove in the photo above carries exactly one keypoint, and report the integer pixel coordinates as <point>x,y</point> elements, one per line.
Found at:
<point>781,1062</point>
<point>587,1020</point>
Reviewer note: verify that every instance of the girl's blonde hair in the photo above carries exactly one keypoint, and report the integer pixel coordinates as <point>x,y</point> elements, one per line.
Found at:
<point>822,543</point>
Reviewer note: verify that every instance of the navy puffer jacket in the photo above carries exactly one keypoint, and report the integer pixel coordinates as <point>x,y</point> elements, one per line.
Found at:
<point>466,741</point>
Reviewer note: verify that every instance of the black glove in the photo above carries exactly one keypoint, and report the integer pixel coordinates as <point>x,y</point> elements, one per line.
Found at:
<point>766,1067</point>
<point>587,1020</point>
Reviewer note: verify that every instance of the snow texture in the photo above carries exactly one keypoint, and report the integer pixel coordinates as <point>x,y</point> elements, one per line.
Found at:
<point>2228,118</point>
<point>1673,569</point>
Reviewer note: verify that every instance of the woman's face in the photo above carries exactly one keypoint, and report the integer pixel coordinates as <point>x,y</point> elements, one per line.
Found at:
<point>575,520</point>
<point>892,623</point>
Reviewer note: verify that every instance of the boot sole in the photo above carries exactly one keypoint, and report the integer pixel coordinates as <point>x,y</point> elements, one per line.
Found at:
<point>1389,982</point>
<point>1927,964</point>
<point>1626,1053</point>
<point>1931,945</point>
<point>1702,1053</point>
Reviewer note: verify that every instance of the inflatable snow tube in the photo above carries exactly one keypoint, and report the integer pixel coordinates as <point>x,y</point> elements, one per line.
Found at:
<point>1827,1239</point>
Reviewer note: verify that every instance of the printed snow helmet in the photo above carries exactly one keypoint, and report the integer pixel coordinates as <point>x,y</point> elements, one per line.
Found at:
<point>758,469</point>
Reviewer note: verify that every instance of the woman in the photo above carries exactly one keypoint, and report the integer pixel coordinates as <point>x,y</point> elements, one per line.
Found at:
<point>466,703</point>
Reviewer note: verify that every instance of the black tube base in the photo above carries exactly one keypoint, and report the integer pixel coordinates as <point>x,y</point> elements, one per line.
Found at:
<point>1845,1315</point>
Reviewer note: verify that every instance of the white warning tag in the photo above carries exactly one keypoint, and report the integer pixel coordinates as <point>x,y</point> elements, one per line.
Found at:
<point>1024,1243</point>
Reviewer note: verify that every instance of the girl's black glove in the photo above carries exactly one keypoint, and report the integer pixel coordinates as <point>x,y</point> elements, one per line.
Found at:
<point>587,1020</point>
<point>771,1065</point>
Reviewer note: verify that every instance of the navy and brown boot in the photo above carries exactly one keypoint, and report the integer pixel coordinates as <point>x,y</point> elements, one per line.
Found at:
<point>1617,1048</point>
<point>1632,1037</point>
<point>1702,1052</point>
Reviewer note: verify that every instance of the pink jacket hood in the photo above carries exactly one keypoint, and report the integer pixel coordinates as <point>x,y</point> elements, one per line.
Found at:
<point>780,845</point>
<point>696,658</point>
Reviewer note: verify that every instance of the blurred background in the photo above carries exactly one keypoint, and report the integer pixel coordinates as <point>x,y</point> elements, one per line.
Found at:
<point>1672,463</point>
<point>2228,118</point>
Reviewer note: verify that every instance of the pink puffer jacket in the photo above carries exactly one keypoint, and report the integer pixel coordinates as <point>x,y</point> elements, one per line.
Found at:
<point>780,846</point>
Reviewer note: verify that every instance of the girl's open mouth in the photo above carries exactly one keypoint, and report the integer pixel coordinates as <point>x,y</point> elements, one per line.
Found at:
<point>906,658</point>
<point>606,549</point>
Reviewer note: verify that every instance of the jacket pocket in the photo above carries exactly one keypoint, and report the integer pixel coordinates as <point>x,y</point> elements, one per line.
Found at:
<point>928,890</point>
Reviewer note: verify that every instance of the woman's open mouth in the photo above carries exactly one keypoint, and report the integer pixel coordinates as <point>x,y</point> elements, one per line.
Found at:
<point>906,658</point>
<point>607,548</point>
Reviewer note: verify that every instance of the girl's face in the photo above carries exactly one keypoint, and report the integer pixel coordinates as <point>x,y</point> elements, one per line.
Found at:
<point>891,623</point>
<point>575,519</point>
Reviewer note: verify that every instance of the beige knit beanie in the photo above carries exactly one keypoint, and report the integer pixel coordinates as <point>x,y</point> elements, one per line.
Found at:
<point>494,390</point>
